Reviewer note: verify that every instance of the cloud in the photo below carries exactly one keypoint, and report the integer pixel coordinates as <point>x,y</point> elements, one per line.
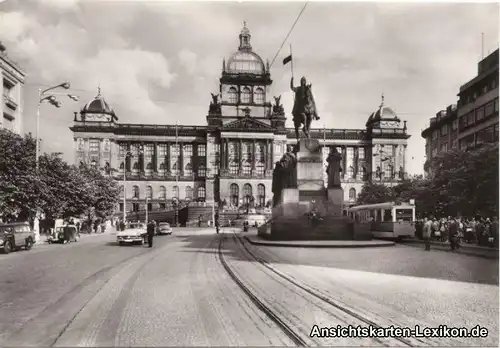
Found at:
<point>157,62</point>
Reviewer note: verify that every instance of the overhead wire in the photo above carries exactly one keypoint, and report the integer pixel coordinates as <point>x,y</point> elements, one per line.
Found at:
<point>289,32</point>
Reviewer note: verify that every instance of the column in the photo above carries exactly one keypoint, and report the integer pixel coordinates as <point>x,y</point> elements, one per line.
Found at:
<point>181,159</point>
<point>155,157</point>
<point>167,159</point>
<point>128,162</point>
<point>356,160</point>
<point>240,154</point>
<point>226,153</point>
<point>221,154</point>
<point>253,155</point>
<point>344,161</point>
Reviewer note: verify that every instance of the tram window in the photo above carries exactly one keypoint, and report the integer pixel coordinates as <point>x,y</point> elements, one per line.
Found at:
<point>379,216</point>
<point>404,215</point>
<point>388,216</point>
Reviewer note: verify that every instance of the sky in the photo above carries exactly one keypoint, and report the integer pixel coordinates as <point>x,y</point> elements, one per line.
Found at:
<point>157,62</point>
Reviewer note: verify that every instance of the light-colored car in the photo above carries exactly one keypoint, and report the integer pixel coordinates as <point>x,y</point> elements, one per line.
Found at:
<point>164,228</point>
<point>132,235</point>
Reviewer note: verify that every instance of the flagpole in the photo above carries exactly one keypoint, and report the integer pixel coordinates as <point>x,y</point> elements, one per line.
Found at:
<point>291,55</point>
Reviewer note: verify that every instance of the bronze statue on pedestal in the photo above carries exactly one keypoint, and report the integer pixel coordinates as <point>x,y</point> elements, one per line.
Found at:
<point>304,107</point>
<point>334,169</point>
<point>284,176</point>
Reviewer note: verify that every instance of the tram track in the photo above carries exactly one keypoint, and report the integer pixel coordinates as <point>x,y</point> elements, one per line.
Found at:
<point>314,296</point>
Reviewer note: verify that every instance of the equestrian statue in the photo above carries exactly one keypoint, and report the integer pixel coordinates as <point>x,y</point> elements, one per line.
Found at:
<point>304,107</point>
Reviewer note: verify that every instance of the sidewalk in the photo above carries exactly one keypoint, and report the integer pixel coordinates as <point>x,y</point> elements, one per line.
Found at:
<point>253,238</point>
<point>465,249</point>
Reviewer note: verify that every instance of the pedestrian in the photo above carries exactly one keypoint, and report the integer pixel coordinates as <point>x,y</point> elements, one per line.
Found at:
<point>494,231</point>
<point>150,233</point>
<point>199,220</point>
<point>426,233</point>
<point>453,234</point>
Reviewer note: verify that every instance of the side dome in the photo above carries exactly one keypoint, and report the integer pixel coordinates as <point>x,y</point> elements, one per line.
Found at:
<point>98,106</point>
<point>384,113</point>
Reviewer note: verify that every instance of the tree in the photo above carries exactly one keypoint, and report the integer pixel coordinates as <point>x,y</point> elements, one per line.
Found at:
<point>416,188</point>
<point>372,193</point>
<point>466,182</point>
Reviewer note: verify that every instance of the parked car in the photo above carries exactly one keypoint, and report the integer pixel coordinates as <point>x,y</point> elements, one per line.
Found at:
<point>132,235</point>
<point>15,236</point>
<point>58,236</point>
<point>164,228</point>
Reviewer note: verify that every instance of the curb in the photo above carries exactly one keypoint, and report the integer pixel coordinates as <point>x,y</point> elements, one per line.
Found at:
<point>491,254</point>
<point>345,246</point>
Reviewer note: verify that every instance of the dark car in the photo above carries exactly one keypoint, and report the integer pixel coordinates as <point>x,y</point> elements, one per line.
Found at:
<point>15,236</point>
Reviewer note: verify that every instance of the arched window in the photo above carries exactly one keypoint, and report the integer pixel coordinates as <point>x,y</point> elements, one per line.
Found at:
<point>247,193</point>
<point>121,191</point>
<point>135,192</point>
<point>247,168</point>
<point>233,95</point>
<point>175,192</point>
<point>201,193</point>
<point>352,194</point>
<point>189,193</point>
<point>135,169</point>
<point>350,172</point>
<point>246,95</point>
<point>261,192</point>
<point>161,171</point>
<point>233,168</point>
<point>235,194</point>
<point>149,169</point>
<point>149,192</point>
<point>259,96</point>
<point>162,194</point>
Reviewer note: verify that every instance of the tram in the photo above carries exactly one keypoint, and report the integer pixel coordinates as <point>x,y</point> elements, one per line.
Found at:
<point>388,220</point>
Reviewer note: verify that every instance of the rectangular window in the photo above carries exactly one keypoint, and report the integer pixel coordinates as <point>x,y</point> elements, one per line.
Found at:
<point>94,145</point>
<point>489,109</point>
<point>463,121</point>
<point>162,150</point>
<point>454,125</point>
<point>149,150</point>
<point>470,118</point>
<point>479,114</point>
<point>444,147</point>
<point>174,158</point>
<point>434,135</point>
<point>202,150</point>
<point>454,144</point>
<point>121,206</point>
<point>122,150</point>
<point>444,129</point>
<point>187,156</point>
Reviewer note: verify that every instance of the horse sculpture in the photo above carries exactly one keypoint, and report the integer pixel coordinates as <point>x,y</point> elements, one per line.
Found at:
<point>304,107</point>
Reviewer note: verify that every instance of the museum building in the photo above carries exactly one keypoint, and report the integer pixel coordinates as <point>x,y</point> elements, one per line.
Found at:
<point>231,159</point>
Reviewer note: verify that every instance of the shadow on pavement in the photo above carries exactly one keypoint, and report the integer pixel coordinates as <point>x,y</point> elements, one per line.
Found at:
<point>397,260</point>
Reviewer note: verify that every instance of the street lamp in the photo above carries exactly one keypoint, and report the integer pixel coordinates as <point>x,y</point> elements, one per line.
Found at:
<point>51,99</point>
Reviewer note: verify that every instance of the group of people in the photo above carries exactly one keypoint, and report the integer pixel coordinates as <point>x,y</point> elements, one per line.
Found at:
<point>479,230</point>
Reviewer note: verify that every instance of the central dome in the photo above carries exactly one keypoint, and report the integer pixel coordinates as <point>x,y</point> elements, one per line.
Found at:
<point>98,106</point>
<point>245,62</point>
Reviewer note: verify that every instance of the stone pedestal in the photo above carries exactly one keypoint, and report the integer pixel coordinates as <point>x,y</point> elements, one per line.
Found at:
<point>335,199</point>
<point>291,218</point>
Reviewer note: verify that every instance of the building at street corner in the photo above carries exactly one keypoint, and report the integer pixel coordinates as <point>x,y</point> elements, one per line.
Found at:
<point>231,159</point>
<point>473,120</point>
<point>11,107</point>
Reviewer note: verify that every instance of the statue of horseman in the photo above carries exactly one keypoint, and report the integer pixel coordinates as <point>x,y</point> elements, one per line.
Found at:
<point>304,107</point>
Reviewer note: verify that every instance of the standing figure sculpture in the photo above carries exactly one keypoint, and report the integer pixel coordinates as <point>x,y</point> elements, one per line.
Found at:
<point>334,168</point>
<point>304,107</point>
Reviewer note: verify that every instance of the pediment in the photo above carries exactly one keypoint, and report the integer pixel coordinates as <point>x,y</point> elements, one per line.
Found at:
<point>247,123</point>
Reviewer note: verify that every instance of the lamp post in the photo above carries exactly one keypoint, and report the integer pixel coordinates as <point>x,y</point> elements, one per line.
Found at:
<point>177,172</point>
<point>51,99</point>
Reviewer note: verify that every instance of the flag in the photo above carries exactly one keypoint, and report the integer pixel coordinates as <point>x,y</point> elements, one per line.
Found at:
<point>287,60</point>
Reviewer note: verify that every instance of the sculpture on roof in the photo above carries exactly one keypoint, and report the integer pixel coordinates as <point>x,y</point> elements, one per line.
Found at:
<point>215,107</point>
<point>304,107</point>
<point>278,107</point>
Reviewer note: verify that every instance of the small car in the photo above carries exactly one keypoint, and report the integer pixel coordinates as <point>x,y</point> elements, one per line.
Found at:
<point>164,228</point>
<point>15,236</point>
<point>133,235</point>
<point>58,236</point>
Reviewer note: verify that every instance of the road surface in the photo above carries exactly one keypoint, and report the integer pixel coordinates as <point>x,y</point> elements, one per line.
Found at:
<point>189,290</point>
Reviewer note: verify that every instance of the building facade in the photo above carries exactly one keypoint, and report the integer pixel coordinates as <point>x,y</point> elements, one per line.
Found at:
<point>231,159</point>
<point>11,107</point>
<point>473,121</point>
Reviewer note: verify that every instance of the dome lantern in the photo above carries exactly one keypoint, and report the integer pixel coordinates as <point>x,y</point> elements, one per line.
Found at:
<point>245,38</point>
<point>99,108</point>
